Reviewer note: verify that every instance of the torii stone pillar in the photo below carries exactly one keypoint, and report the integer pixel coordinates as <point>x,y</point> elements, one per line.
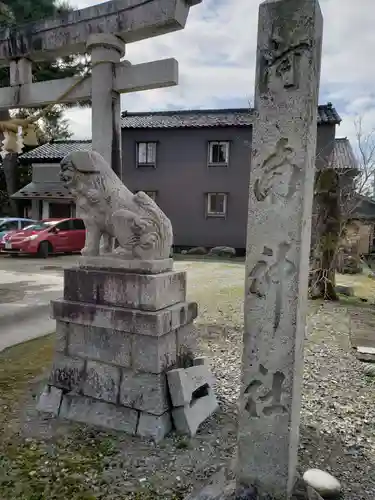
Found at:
<point>278,244</point>
<point>106,102</point>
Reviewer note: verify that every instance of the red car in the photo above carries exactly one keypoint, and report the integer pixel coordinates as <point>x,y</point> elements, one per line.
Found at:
<point>47,237</point>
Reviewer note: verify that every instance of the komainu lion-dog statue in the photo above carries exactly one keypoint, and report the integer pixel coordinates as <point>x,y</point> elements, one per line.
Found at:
<point>110,211</point>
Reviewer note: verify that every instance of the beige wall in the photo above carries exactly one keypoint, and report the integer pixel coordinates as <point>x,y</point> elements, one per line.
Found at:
<point>359,236</point>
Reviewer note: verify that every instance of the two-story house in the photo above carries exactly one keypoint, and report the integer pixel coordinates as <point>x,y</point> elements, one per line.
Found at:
<point>195,164</point>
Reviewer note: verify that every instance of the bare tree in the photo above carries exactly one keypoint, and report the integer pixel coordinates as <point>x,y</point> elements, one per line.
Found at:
<point>339,192</point>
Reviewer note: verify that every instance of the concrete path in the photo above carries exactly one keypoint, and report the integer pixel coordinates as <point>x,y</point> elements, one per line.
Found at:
<point>26,288</point>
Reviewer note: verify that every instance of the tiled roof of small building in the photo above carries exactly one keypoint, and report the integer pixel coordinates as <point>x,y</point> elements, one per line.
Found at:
<point>239,117</point>
<point>54,151</point>
<point>343,157</point>
<point>43,190</point>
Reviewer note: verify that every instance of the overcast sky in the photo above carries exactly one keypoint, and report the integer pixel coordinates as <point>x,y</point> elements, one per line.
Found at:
<point>216,54</point>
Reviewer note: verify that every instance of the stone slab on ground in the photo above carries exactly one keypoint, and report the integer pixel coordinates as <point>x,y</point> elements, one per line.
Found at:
<point>365,353</point>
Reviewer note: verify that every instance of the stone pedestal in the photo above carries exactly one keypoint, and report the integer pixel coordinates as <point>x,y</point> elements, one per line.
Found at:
<point>118,333</point>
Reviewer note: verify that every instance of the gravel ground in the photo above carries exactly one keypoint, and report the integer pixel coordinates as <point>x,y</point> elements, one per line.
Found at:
<point>338,410</point>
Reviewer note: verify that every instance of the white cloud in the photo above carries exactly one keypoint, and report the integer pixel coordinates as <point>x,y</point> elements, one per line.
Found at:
<point>216,54</point>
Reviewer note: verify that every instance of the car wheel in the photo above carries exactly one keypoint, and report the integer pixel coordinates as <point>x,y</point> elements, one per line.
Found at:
<point>45,248</point>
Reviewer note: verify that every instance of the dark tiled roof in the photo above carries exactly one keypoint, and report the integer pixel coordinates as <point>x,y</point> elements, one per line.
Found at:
<point>45,190</point>
<point>343,157</point>
<point>189,119</point>
<point>54,151</point>
<point>239,117</point>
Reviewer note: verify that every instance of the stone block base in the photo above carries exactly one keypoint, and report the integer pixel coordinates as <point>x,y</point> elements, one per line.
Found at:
<point>117,335</point>
<point>111,416</point>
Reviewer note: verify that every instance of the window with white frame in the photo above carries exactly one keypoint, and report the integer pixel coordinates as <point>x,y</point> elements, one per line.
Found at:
<point>216,204</point>
<point>146,154</point>
<point>218,153</point>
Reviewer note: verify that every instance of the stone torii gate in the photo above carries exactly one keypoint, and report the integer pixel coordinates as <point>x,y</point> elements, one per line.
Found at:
<point>101,30</point>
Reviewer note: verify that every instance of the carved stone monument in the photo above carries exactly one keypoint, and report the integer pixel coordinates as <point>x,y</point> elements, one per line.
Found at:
<point>278,236</point>
<point>109,210</point>
<point>124,320</point>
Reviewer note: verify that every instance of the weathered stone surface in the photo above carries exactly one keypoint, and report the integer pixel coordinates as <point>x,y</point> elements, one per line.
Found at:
<point>155,427</point>
<point>145,76</point>
<point>62,332</point>
<point>197,251</point>
<point>369,370</point>
<point>144,391</point>
<point>93,412</point>
<point>131,321</point>
<point>68,34</point>
<point>50,400</point>
<point>102,381</point>
<point>105,50</point>
<point>67,372</point>
<point>187,340</point>
<point>135,291</point>
<point>278,243</point>
<point>154,354</point>
<point>118,263</point>
<point>325,484</point>
<point>183,383</point>
<point>188,418</point>
<point>223,251</point>
<point>149,237</point>
<point>101,344</point>
<point>348,291</point>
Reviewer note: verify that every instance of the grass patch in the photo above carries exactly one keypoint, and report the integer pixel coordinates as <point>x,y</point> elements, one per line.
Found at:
<point>22,363</point>
<point>69,467</point>
<point>362,284</point>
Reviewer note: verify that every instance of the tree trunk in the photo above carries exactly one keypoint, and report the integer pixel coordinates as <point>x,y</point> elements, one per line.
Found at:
<point>10,169</point>
<point>327,226</point>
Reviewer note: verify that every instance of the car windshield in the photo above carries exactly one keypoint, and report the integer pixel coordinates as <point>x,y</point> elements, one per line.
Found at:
<point>39,226</point>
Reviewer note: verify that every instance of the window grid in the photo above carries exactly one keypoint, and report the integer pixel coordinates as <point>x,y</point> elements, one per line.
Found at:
<point>218,153</point>
<point>146,154</point>
<point>216,204</point>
